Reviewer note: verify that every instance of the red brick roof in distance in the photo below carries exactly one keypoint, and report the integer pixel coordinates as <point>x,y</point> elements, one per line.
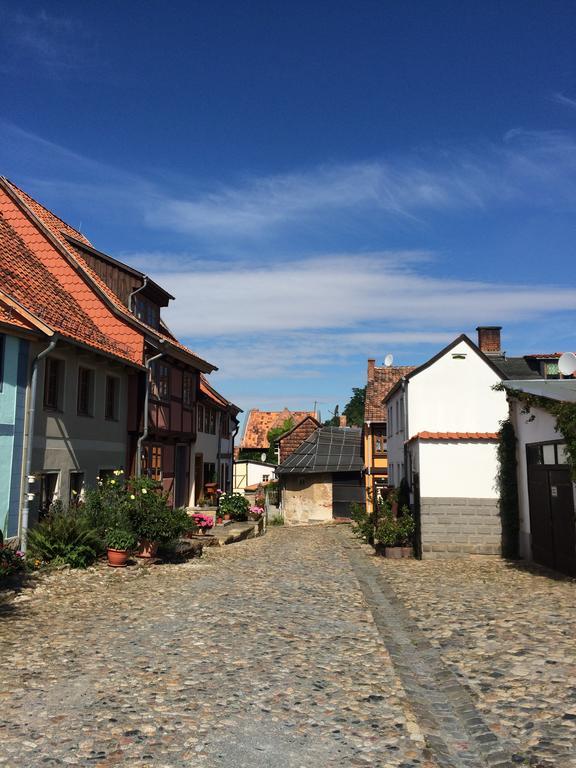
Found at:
<point>455,436</point>
<point>380,382</point>
<point>259,423</point>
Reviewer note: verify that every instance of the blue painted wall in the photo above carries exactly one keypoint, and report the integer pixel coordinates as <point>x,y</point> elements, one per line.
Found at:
<point>13,379</point>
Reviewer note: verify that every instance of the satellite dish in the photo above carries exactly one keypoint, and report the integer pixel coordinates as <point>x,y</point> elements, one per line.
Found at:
<point>567,364</point>
<point>388,360</point>
<point>262,457</point>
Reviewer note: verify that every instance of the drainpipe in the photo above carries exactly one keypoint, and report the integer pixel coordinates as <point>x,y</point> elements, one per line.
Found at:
<point>405,427</point>
<point>231,477</point>
<point>144,284</point>
<point>33,385</point>
<point>144,434</point>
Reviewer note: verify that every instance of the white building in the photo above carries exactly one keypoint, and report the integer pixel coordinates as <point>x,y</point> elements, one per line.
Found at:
<point>546,493</point>
<point>443,420</point>
<point>248,472</point>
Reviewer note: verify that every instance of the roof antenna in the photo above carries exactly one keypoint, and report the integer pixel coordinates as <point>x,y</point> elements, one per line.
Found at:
<point>388,360</point>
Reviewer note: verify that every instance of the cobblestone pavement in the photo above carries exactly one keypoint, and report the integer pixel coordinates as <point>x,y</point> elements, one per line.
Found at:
<point>508,633</point>
<point>295,650</point>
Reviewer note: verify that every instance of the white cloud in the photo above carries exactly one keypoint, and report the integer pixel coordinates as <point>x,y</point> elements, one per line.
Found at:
<point>566,101</point>
<point>345,292</point>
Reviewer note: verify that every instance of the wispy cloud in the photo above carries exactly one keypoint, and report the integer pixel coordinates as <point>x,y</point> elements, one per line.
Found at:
<point>56,45</point>
<point>566,101</point>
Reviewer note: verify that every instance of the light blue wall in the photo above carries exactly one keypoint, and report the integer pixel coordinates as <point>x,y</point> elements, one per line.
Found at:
<point>12,408</point>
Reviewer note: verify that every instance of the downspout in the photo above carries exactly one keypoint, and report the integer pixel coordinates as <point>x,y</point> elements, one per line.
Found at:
<point>144,284</point>
<point>33,386</point>
<point>144,434</point>
<point>405,426</point>
<point>231,477</point>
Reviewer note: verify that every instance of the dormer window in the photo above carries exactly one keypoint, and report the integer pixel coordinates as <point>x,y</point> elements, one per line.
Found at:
<point>550,369</point>
<point>147,311</point>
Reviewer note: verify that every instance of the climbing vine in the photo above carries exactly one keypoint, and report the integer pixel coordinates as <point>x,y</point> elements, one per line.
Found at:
<point>564,413</point>
<point>508,487</point>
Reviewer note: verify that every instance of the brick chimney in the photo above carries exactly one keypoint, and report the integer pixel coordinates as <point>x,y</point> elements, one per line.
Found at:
<point>342,421</point>
<point>371,364</point>
<point>489,339</point>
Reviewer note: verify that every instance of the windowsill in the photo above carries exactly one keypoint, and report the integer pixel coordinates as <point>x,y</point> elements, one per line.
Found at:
<point>85,415</point>
<point>51,409</point>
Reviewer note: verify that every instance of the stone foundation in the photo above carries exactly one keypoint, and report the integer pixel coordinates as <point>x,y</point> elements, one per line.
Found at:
<point>459,527</point>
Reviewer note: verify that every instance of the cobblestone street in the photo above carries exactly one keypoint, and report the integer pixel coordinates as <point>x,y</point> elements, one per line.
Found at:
<point>294,650</point>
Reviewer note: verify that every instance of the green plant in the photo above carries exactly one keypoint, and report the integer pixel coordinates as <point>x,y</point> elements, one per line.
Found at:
<point>11,563</point>
<point>273,435</point>
<point>123,540</point>
<point>64,537</point>
<point>362,522</point>
<point>277,520</point>
<point>106,506</point>
<point>236,505</point>
<point>395,531</point>
<point>507,482</point>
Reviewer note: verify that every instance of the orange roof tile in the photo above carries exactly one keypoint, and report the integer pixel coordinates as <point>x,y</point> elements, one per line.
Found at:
<point>58,229</point>
<point>259,423</point>
<point>209,392</point>
<point>379,383</point>
<point>10,317</point>
<point>27,280</point>
<point>455,436</point>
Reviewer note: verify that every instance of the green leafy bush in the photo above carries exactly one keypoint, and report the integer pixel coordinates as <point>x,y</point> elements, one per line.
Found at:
<point>236,505</point>
<point>11,563</point>
<point>362,523</point>
<point>64,538</point>
<point>277,520</point>
<point>117,538</point>
<point>106,506</point>
<point>151,517</point>
<point>395,532</point>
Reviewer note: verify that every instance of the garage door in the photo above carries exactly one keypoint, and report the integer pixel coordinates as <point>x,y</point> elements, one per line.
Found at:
<point>347,489</point>
<point>552,520</point>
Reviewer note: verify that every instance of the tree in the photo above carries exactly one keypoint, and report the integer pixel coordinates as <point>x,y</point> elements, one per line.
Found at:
<point>273,435</point>
<point>334,421</point>
<point>354,410</point>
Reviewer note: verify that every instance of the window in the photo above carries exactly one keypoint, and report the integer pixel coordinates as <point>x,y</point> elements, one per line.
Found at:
<point>207,420</point>
<point>546,453</point>
<point>265,478</point>
<point>551,370</point>
<point>48,492</point>
<point>379,440</point>
<point>200,418</point>
<point>209,472</point>
<point>152,461</point>
<point>85,392</point>
<point>188,390</point>
<point>76,488</point>
<point>212,421</point>
<point>160,386</point>
<point>53,382</point>
<point>147,311</point>
<point>112,398</point>
<point>224,425</point>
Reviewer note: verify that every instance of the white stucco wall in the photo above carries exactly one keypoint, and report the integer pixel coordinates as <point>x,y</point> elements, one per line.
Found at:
<point>462,469</point>
<point>451,395</point>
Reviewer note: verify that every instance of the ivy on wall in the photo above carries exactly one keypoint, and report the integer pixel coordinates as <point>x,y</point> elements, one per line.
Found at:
<point>507,480</point>
<point>564,413</point>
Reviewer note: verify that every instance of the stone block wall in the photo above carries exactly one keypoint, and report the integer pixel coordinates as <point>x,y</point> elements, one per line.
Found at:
<point>459,527</point>
<point>307,498</point>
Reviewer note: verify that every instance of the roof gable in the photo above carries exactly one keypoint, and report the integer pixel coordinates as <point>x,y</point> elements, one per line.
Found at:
<point>378,386</point>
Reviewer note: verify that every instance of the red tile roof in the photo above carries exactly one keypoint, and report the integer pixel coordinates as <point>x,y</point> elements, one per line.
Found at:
<point>380,382</point>
<point>455,436</point>
<point>10,317</point>
<point>259,423</point>
<point>208,391</point>
<point>132,328</point>
<point>26,279</point>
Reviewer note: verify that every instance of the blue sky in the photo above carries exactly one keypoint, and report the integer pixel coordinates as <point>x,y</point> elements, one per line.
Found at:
<point>316,182</point>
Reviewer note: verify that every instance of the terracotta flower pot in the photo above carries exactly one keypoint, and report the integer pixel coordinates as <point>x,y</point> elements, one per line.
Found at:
<point>393,552</point>
<point>407,551</point>
<point>117,558</point>
<point>147,548</point>
<point>227,516</point>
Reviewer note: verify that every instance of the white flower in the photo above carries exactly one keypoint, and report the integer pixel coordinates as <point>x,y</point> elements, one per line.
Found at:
<point>132,496</point>
<point>144,490</point>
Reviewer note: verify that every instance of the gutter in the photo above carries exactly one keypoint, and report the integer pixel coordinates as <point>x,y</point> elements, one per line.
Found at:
<point>144,434</point>
<point>33,386</point>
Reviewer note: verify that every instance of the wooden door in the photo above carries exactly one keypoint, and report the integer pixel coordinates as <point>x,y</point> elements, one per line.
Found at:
<point>552,521</point>
<point>181,477</point>
<point>198,478</point>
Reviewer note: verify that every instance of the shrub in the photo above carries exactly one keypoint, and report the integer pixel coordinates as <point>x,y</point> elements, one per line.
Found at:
<point>117,538</point>
<point>362,523</point>
<point>11,563</point>
<point>106,507</point>
<point>277,520</point>
<point>150,516</point>
<point>65,538</point>
<point>395,532</point>
<point>236,505</point>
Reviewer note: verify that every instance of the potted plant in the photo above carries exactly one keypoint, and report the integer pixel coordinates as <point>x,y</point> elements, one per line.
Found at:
<point>150,516</point>
<point>203,522</point>
<point>236,505</point>
<point>119,543</point>
<point>395,534</point>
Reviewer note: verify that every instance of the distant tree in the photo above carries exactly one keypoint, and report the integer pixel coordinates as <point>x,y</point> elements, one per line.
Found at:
<point>335,420</point>
<point>273,435</point>
<point>354,410</point>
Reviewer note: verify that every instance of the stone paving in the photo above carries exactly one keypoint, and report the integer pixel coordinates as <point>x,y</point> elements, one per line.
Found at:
<point>295,650</point>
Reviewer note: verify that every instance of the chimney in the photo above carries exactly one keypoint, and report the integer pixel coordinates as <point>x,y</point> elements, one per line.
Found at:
<point>489,339</point>
<point>342,421</point>
<point>371,364</point>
